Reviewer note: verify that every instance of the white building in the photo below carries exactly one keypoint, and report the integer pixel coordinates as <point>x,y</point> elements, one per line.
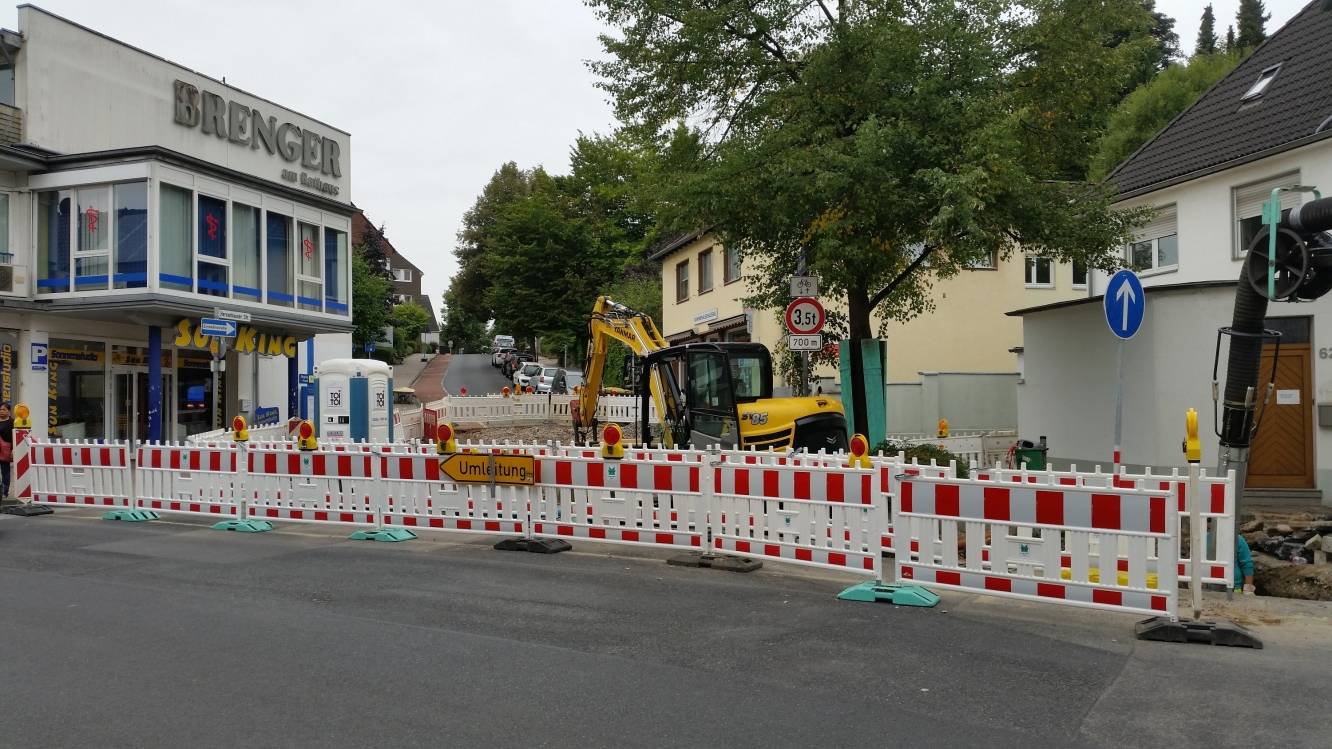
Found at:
<point>138,196</point>
<point>1267,124</point>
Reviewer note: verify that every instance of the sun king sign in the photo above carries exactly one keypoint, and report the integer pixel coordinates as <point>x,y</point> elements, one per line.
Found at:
<point>246,126</point>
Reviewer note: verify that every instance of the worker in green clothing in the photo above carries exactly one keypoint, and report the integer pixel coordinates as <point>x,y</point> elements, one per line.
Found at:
<point>1243,566</point>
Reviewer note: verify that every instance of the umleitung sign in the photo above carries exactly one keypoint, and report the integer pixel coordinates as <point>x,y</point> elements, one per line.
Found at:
<point>481,468</point>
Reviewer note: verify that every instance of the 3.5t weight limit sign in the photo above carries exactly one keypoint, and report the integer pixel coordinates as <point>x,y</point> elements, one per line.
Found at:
<point>805,316</point>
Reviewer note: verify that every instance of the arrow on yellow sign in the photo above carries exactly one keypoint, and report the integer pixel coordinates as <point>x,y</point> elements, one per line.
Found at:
<point>480,468</point>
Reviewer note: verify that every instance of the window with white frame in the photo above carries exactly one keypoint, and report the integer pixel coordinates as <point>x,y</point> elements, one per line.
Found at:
<point>1157,246</point>
<point>682,280</point>
<point>988,261</point>
<point>309,267</point>
<point>1040,273</point>
<point>1247,204</point>
<point>92,259</point>
<point>214,263</point>
<point>731,273</point>
<point>1079,274</point>
<point>175,207</point>
<point>247,253</point>
<point>402,274</point>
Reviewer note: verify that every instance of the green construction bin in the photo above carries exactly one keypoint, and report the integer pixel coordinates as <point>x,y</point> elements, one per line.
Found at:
<point>1033,454</point>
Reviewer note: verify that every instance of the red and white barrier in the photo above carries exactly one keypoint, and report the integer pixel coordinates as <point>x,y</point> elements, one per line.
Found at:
<point>1036,542</point>
<point>78,473</point>
<point>188,478</point>
<point>418,496</point>
<point>328,485</point>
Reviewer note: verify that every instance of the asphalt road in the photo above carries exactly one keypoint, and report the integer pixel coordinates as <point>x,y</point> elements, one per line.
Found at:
<point>166,634</point>
<point>473,371</point>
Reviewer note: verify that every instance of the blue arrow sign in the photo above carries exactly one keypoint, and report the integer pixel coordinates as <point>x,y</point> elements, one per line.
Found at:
<point>212,326</point>
<point>1125,304</point>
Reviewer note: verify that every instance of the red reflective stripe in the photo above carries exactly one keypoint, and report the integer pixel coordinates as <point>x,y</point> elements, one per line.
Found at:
<point>802,485</point>
<point>946,500</point>
<point>563,473</point>
<point>1108,597</point>
<point>866,489</point>
<point>771,484</point>
<point>837,558</point>
<point>1158,514</point>
<point>905,500</point>
<point>317,465</point>
<point>772,550</point>
<point>596,474</point>
<point>661,478</point>
<point>1105,511</point>
<point>1049,590</point>
<point>629,535</point>
<point>693,479</point>
<point>1218,499</point>
<point>996,503</point>
<point>1002,584</point>
<point>1050,508</point>
<point>944,577</point>
<point>835,488</point>
<point>742,482</point>
<point>665,538</point>
<point>804,555</point>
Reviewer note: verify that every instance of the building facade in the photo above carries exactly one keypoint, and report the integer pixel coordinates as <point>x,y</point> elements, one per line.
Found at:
<point>967,342</point>
<point>139,196</point>
<point>1207,175</point>
<point>406,276</point>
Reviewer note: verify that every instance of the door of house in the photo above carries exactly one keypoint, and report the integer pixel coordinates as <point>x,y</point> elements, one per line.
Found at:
<point>1282,455</point>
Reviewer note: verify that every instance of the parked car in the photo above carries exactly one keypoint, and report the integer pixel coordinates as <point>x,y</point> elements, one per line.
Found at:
<point>498,356</point>
<point>546,380</point>
<point>523,377</point>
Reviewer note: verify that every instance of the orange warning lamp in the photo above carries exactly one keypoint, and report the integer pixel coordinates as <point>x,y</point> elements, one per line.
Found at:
<point>505,391</point>
<point>462,391</point>
<point>530,390</point>
<point>21,414</point>
<point>859,452</point>
<point>306,436</point>
<point>239,432</point>
<point>611,447</point>
<point>445,443</point>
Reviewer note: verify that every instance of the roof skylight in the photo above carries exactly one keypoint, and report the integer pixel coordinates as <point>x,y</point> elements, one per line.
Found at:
<point>1265,79</point>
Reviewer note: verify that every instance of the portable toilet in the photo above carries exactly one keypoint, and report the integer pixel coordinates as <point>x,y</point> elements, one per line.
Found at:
<point>353,400</point>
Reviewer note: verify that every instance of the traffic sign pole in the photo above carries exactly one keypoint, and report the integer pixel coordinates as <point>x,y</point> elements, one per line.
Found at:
<point>1119,405</point>
<point>1125,306</point>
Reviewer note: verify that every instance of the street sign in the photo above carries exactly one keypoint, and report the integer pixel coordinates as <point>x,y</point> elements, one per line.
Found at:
<point>1125,304</point>
<point>303,378</point>
<point>370,347</point>
<point>805,316</point>
<point>804,342</point>
<point>804,286</point>
<point>211,326</point>
<point>227,314</point>
<point>482,468</point>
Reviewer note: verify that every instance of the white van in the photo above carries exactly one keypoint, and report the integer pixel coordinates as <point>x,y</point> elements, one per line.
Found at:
<point>501,341</point>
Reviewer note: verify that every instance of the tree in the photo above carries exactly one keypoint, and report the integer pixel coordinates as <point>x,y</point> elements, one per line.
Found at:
<point>370,301</point>
<point>1251,23</point>
<point>409,321</point>
<point>372,249</point>
<point>1206,33</point>
<point>1147,110</point>
<point>1167,41</point>
<point>1230,39</point>
<point>885,144</point>
<point>466,332</point>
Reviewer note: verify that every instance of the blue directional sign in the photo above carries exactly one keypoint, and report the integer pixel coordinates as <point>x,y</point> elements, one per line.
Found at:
<point>211,326</point>
<point>1125,304</point>
<point>370,347</point>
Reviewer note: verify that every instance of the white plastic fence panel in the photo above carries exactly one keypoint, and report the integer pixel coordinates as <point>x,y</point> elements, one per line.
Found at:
<point>335,484</point>
<point>79,473</point>
<point>193,479</point>
<point>420,497</point>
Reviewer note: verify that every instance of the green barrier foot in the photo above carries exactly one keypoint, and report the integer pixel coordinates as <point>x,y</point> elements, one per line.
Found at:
<point>131,516</point>
<point>898,595</point>
<point>243,526</point>
<point>383,534</point>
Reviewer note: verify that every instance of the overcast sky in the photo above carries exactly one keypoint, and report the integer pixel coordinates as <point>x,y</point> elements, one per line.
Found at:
<point>435,94</point>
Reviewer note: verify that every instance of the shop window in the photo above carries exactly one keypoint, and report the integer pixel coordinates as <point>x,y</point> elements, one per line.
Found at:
<point>705,271</point>
<point>213,262</point>
<point>54,212</point>
<point>175,247</point>
<point>131,235</point>
<point>246,253</point>
<point>279,261</point>
<point>6,257</point>
<point>93,260</point>
<point>195,383</point>
<point>76,377</point>
<point>335,271</point>
<point>731,257</point>
<point>309,266</point>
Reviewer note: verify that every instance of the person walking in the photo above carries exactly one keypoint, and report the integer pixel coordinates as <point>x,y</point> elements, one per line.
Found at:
<point>6,448</point>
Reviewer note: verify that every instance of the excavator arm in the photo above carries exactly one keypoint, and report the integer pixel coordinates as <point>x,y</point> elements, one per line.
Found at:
<point>614,322</point>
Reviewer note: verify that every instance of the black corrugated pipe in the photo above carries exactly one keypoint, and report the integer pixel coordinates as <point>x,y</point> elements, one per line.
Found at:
<point>1311,217</point>
<point>1242,367</point>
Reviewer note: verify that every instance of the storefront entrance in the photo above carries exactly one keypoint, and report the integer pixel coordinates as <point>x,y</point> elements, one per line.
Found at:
<point>129,401</point>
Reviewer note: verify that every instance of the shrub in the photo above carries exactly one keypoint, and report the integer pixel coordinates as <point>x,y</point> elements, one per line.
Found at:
<point>924,454</point>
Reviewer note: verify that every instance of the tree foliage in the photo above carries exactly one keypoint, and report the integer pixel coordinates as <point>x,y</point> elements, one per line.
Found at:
<point>1206,33</point>
<point>409,321</point>
<point>371,301</point>
<point>373,251</point>
<point>889,144</point>
<point>1251,24</point>
<point>1151,107</point>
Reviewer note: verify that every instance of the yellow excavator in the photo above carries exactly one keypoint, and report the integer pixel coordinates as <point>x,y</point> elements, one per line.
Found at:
<point>705,393</point>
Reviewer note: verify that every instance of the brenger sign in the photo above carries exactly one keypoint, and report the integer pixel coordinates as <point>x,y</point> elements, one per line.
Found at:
<point>247,126</point>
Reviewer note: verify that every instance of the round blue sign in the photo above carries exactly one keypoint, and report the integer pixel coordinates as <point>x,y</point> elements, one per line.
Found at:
<point>1125,304</point>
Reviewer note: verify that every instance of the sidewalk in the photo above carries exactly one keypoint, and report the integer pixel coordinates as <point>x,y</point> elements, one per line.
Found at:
<point>406,373</point>
<point>429,382</point>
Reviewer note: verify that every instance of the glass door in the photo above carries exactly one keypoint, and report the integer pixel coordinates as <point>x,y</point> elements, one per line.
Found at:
<point>129,404</point>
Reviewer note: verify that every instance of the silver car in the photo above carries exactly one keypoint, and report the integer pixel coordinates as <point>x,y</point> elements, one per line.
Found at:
<point>523,377</point>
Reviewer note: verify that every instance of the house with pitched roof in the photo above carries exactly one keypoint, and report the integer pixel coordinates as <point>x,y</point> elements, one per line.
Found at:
<point>1266,125</point>
<point>406,276</point>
